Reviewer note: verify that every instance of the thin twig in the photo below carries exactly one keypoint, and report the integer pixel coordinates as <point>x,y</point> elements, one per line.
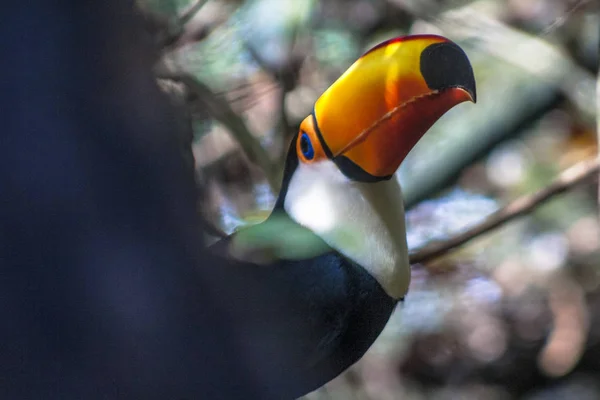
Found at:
<point>558,22</point>
<point>242,87</point>
<point>566,180</point>
<point>249,95</point>
<point>220,110</point>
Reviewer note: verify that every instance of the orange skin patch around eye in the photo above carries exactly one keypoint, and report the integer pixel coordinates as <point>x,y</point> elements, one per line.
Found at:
<point>307,126</point>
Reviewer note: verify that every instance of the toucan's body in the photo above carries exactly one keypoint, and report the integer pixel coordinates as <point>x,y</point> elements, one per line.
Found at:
<point>320,316</point>
<point>323,287</point>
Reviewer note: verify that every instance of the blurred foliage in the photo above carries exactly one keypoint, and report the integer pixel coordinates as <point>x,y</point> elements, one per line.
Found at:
<point>515,314</point>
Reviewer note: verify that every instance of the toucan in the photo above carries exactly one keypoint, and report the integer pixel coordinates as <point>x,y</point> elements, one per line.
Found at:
<point>323,273</point>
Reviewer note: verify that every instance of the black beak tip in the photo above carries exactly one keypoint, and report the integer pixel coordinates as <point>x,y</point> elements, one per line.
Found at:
<point>445,65</point>
<point>473,95</point>
<point>472,92</point>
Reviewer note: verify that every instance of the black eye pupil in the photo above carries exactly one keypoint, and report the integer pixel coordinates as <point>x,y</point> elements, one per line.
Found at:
<point>304,144</point>
<point>306,147</point>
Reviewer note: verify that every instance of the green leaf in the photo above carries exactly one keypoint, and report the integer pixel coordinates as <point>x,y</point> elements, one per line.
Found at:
<point>279,237</point>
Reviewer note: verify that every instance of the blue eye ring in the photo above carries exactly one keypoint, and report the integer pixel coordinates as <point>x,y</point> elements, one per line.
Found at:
<point>306,147</point>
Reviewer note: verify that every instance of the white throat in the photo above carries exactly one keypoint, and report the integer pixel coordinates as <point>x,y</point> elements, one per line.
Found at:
<point>362,221</point>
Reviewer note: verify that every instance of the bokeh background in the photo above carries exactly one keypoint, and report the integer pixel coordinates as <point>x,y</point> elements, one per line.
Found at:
<point>514,313</point>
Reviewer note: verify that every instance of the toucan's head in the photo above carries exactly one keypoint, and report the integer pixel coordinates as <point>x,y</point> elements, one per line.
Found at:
<point>337,180</point>
<point>373,115</point>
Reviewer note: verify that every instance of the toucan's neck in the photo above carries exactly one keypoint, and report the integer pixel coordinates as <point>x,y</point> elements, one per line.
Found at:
<point>362,221</point>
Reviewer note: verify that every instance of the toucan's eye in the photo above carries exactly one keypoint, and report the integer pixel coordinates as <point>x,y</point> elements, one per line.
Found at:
<point>306,147</point>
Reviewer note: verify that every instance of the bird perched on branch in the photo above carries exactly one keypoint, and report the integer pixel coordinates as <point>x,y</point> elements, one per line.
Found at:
<point>323,273</point>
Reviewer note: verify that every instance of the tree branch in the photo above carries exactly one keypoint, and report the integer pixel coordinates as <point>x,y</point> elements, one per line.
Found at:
<point>565,181</point>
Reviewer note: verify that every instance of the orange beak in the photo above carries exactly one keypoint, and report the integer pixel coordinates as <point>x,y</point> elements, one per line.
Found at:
<point>375,113</point>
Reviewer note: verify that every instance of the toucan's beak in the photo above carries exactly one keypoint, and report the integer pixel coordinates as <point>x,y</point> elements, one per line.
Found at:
<point>374,114</point>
